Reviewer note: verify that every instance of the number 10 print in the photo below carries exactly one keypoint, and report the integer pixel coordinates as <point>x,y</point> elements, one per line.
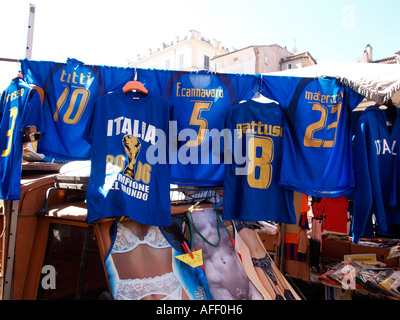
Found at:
<point>84,97</point>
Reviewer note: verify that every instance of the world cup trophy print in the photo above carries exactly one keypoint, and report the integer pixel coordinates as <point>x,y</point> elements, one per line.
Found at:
<point>132,148</point>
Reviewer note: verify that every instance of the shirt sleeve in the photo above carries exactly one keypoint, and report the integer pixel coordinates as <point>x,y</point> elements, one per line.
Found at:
<point>34,115</point>
<point>247,86</point>
<point>36,72</point>
<point>354,98</point>
<point>90,124</point>
<point>279,88</point>
<point>115,78</point>
<point>363,192</point>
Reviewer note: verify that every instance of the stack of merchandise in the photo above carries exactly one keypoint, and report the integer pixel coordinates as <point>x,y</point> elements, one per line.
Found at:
<point>366,278</point>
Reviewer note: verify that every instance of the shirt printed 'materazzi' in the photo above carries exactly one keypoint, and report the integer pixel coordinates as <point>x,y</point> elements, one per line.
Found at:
<point>125,180</point>
<point>317,149</point>
<point>200,99</point>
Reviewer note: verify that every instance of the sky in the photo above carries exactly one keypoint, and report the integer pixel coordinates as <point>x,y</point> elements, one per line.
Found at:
<point>105,32</point>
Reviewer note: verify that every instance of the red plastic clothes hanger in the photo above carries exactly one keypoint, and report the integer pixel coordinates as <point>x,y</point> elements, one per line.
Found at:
<point>135,85</point>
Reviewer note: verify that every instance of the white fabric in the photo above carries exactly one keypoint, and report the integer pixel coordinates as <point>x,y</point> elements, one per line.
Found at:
<point>377,82</point>
<point>126,241</point>
<point>136,289</point>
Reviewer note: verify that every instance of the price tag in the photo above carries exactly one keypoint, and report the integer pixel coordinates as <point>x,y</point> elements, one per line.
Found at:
<point>194,262</point>
<point>394,252</point>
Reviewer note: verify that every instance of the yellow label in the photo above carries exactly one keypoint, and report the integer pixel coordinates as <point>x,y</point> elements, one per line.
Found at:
<point>194,262</point>
<point>362,257</point>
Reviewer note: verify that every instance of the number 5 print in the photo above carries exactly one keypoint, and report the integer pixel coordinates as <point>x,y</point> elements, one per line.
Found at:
<point>196,119</point>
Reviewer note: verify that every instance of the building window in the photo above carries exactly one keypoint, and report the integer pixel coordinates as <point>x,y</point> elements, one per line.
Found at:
<point>168,64</point>
<point>289,66</point>
<point>181,61</point>
<point>206,63</point>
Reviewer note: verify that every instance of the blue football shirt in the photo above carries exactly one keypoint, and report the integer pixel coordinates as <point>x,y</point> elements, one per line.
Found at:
<point>375,146</point>
<point>317,148</point>
<point>200,99</point>
<point>20,106</point>
<point>129,169</point>
<point>70,90</point>
<point>251,190</point>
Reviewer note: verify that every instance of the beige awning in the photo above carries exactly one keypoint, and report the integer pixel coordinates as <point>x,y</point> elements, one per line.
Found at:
<point>377,82</point>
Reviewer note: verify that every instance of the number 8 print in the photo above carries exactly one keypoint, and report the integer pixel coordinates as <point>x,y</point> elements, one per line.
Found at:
<point>263,162</point>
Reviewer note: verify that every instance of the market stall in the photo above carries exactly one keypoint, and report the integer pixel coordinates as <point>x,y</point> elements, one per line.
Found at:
<point>202,181</point>
<point>333,235</point>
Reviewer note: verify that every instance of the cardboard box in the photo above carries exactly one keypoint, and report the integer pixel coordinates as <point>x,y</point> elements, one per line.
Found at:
<point>266,239</point>
<point>381,254</point>
<point>335,249</point>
